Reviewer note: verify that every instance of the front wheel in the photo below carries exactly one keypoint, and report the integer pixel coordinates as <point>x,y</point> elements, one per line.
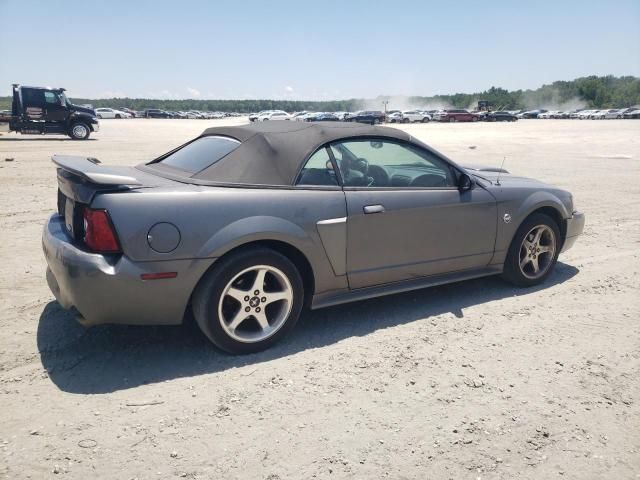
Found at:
<point>249,301</point>
<point>79,131</point>
<point>533,251</point>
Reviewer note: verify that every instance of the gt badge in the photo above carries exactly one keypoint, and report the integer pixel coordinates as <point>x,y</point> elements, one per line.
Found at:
<point>506,218</point>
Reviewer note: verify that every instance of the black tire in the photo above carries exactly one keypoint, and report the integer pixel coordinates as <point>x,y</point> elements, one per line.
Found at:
<point>118,115</point>
<point>425,120</point>
<point>512,271</point>
<point>79,131</point>
<point>207,295</point>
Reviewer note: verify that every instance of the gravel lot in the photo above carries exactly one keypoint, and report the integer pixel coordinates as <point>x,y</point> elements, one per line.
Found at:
<point>471,380</point>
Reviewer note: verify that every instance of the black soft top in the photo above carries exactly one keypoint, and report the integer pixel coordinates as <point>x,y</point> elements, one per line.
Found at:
<point>272,152</point>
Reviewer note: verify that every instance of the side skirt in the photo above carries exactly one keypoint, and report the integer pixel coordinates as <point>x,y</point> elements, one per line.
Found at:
<point>333,298</point>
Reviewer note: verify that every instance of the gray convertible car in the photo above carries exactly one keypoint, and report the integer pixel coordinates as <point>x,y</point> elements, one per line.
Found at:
<point>248,225</point>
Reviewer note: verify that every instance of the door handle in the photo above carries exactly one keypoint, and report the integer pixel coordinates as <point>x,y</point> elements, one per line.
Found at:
<point>373,209</point>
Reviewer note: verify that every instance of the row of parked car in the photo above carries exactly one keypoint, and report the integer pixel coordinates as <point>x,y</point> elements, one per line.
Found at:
<point>104,112</point>
<point>584,114</point>
<point>375,117</point>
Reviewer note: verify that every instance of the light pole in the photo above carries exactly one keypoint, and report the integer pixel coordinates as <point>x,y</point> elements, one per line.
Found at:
<point>385,102</point>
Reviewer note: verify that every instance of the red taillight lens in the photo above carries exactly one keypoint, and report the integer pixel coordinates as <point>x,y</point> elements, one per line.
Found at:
<point>99,234</point>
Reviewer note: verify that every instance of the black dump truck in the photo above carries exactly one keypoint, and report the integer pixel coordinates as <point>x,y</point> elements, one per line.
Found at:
<point>39,110</point>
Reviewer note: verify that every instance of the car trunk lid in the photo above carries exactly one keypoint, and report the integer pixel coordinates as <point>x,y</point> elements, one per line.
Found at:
<point>80,179</point>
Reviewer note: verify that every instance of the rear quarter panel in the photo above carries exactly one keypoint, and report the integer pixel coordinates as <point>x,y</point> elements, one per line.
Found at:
<point>214,220</point>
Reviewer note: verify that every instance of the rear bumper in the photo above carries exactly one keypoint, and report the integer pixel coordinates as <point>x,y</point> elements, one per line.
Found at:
<point>107,289</point>
<point>575,227</point>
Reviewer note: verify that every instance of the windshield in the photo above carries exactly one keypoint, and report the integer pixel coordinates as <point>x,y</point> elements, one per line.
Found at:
<point>64,99</point>
<point>200,154</point>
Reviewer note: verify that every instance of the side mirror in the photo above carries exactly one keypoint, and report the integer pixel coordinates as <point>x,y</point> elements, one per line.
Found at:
<point>465,183</point>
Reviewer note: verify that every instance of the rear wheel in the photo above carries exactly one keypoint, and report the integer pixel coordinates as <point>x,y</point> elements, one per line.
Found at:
<point>425,120</point>
<point>249,301</point>
<point>79,131</point>
<point>533,251</point>
<point>452,119</point>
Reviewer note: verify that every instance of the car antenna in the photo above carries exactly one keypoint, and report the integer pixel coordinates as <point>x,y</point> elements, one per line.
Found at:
<point>504,159</point>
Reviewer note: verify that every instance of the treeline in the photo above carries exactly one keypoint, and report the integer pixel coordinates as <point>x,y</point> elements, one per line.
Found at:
<point>585,92</point>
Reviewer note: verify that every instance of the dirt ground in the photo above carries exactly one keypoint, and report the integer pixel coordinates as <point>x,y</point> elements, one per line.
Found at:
<point>470,380</point>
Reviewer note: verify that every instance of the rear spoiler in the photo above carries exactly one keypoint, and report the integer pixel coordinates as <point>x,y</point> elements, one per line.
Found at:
<point>90,169</point>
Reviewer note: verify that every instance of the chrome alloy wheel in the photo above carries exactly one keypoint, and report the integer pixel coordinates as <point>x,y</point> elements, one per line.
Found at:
<point>537,251</point>
<point>79,131</point>
<point>255,304</point>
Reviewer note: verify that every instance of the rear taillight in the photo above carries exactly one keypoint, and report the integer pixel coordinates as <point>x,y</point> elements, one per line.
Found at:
<point>99,234</point>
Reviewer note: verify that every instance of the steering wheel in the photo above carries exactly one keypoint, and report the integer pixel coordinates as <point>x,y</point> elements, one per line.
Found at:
<point>361,165</point>
<point>379,175</point>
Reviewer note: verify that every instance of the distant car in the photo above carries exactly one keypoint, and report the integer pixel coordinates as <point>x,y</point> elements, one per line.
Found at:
<point>409,116</point>
<point>277,115</point>
<point>458,115</point>
<point>500,117</point>
<point>395,117</point>
<point>341,115</point>
<point>372,117</point>
<point>632,114</point>
<point>111,113</point>
<point>155,113</point>
<point>613,113</point>
<point>598,115</point>
<point>253,117</point>
<point>323,117</point>
<point>131,112</point>
<point>531,113</point>
<point>299,116</point>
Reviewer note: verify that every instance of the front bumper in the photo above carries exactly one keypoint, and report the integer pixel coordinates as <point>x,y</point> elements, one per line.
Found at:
<point>95,126</point>
<point>575,227</point>
<point>108,289</point>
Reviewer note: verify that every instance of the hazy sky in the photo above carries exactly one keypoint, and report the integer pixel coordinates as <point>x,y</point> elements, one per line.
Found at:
<point>311,50</point>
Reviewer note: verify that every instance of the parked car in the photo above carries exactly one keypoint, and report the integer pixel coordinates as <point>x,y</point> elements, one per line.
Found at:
<point>131,244</point>
<point>613,113</point>
<point>500,117</point>
<point>372,117</point>
<point>632,114</point>
<point>111,113</point>
<point>275,115</point>
<point>457,115</point>
<point>299,116</point>
<point>585,114</point>
<point>322,117</point>
<point>598,114</point>
<point>156,113</point>
<point>531,113</point>
<point>39,110</point>
<point>394,117</point>
<point>409,116</point>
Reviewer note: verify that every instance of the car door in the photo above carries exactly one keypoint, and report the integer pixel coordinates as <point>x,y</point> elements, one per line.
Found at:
<point>406,217</point>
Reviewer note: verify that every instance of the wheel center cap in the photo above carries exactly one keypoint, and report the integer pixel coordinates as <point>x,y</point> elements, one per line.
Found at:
<point>254,302</point>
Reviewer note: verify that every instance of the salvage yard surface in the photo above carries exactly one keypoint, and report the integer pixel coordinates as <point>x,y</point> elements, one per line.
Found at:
<point>471,380</point>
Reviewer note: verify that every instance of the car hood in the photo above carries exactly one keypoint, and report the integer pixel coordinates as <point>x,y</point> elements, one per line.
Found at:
<point>78,108</point>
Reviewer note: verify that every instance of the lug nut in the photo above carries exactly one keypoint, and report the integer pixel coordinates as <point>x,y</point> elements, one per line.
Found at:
<point>263,299</point>
<point>257,292</point>
<point>247,309</point>
<point>246,299</point>
<point>257,309</point>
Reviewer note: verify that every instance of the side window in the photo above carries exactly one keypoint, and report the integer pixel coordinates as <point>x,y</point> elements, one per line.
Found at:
<point>388,163</point>
<point>318,170</point>
<point>51,98</point>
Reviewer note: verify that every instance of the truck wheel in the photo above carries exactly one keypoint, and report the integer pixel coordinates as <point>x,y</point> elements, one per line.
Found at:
<point>249,300</point>
<point>79,131</point>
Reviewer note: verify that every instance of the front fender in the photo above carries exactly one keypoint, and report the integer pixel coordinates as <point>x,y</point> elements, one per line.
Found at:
<point>512,212</point>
